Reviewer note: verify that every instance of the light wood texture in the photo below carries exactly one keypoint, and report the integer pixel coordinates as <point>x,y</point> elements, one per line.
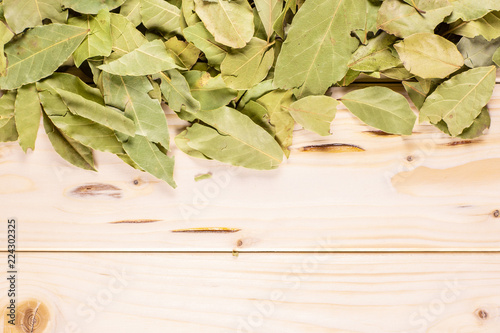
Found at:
<point>363,190</point>
<point>157,293</point>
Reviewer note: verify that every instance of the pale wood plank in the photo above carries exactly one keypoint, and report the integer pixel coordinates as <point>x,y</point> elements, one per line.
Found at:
<point>391,196</point>
<point>372,293</point>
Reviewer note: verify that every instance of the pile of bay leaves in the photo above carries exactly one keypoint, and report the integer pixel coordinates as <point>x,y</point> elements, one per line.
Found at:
<point>241,72</point>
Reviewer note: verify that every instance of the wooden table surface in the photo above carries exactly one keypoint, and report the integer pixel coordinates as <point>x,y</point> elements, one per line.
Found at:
<point>356,232</point>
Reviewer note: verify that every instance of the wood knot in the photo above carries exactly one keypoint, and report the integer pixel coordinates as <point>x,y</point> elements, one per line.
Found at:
<point>239,243</point>
<point>482,314</point>
<point>409,158</point>
<point>97,189</point>
<point>32,316</point>
<point>496,213</point>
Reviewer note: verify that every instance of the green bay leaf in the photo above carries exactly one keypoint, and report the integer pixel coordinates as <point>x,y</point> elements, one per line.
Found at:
<point>258,113</point>
<point>69,149</point>
<point>417,92</point>
<point>230,22</point>
<point>282,19</point>
<point>315,56</point>
<point>91,6</point>
<point>80,129</point>
<point>150,158</point>
<point>255,92</point>
<point>477,51</point>
<point>469,10</point>
<point>375,56</point>
<point>125,37</point>
<point>72,84</point>
<point>429,56</point>
<point>161,16</point>
<point>98,113</point>
<point>188,13</point>
<point>131,10</point>
<point>98,41</point>
<point>459,100</point>
<point>6,36</point>
<point>211,92</point>
<point>177,93</point>
<point>203,40</point>
<point>276,103</point>
<point>488,26</point>
<point>496,57</point>
<point>269,11</point>
<point>314,113</point>
<point>182,143</point>
<point>234,139</point>
<point>22,14</point>
<point>402,20</point>
<point>149,58</point>
<point>369,22</point>
<point>244,68</point>
<point>8,131</point>
<point>381,108</point>
<point>27,115</point>
<point>39,52</point>
<point>185,54</point>
<point>480,124</point>
<point>130,93</point>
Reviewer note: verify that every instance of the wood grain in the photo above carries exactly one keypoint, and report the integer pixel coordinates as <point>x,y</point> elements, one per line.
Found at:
<point>364,190</point>
<point>372,293</point>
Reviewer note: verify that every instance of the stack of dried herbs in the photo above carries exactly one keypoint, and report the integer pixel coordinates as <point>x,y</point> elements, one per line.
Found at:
<point>241,72</point>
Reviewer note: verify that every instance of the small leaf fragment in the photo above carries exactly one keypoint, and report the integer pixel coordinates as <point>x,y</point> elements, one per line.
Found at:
<point>203,176</point>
